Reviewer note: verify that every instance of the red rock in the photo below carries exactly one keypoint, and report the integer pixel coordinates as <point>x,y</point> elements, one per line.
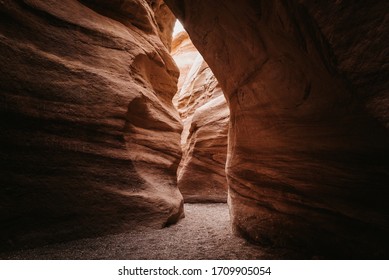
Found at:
<point>306,83</point>
<point>165,21</point>
<point>184,54</point>
<point>204,113</point>
<point>90,139</point>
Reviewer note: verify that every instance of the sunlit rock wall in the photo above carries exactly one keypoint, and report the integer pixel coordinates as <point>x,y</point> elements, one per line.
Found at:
<point>204,113</point>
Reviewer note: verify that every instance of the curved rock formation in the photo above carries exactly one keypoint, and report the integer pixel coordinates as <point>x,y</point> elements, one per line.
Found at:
<point>204,113</point>
<point>165,21</point>
<point>90,139</point>
<point>306,83</point>
<point>184,54</point>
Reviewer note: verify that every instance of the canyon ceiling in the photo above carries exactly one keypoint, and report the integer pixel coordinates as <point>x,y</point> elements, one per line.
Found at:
<point>91,141</point>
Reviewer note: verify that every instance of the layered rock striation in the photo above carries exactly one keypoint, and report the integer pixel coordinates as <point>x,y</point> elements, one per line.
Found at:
<point>204,113</point>
<point>90,140</point>
<point>306,83</point>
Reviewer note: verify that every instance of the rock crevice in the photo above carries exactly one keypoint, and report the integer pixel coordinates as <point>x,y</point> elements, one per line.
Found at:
<point>204,113</point>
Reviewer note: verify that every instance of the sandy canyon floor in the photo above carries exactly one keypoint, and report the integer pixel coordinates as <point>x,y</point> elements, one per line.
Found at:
<point>205,233</point>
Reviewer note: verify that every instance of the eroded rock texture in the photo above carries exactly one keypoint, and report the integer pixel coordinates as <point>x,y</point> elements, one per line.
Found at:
<point>90,140</point>
<point>165,21</point>
<point>306,83</point>
<point>184,54</point>
<point>204,113</point>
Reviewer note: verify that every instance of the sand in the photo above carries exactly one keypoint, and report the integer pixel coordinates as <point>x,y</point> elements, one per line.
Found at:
<point>205,233</point>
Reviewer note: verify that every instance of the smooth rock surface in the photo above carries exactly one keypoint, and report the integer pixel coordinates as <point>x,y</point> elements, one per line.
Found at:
<point>90,140</point>
<point>184,54</point>
<point>306,83</point>
<point>204,114</point>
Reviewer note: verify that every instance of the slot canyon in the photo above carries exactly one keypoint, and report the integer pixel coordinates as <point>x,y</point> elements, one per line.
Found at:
<point>263,129</point>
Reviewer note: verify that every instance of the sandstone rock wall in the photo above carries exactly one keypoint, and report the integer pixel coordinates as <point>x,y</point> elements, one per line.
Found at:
<point>184,54</point>
<point>306,83</point>
<point>204,113</point>
<point>165,21</point>
<point>90,140</point>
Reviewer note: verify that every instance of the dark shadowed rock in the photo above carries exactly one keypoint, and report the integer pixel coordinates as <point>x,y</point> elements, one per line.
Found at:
<point>90,140</point>
<point>306,83</point>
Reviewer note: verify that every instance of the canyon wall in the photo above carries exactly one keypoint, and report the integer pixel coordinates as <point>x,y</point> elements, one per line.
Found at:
<point>90,140</point>
<point>204,113</point>
<point>306,83</point>
<point>184,54</point>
